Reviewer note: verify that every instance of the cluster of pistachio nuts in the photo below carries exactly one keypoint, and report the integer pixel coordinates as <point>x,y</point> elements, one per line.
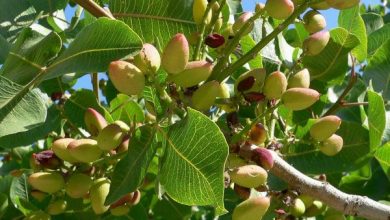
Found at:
<point>69,169</point>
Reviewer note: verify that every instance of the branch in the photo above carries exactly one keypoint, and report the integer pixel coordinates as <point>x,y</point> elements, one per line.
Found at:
<point>94,8</point>
<point>348,204</point>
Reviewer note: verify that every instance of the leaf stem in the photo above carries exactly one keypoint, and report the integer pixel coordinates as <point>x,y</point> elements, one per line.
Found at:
<point>93,8</point>
<point>221,73</point>
<point>340,101</point>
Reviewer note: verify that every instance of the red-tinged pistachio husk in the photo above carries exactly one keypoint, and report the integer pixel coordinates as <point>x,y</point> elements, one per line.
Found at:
<point>279,9</point>
<point>195,73</point>
<point>49,182</point>
<point>126,77</point>
<point>253,208</point>
<point>241,21</point>
<point>263,157</point>
<point>94,121</point>
<point>297,99</point>
<point>85,150</point>
<point>258,134</point>
<point>78,185</point>
<point>258,75</point>
<point>59,147</point>
<point>275,85</point>
<point>148,60</point>
<point>250,176</point>
<point>325,127</point>
<point>316,43</point>
<point>332,145</point>
<point>176,54</point>
<point>300,79</point>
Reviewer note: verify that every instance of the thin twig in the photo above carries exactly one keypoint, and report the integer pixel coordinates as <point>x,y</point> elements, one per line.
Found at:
<point>95,85</point>
<point>353,205</point>
<point>336,106</point>
<point>93,8</point>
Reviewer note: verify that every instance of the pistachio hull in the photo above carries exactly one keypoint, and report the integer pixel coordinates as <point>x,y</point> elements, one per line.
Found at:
<point>194,73</point>
<point>297,99</point>
<point>176,54</point>
<point>251,209</point>
<point>49,182</point>
<point>78,185</point>
<point>325,127</point>
<point>98,194</point>
<point>59,148</point>
<point>126,77</point>
<point>249,176</point>
<point>279,9</point>
<point>85,150</point>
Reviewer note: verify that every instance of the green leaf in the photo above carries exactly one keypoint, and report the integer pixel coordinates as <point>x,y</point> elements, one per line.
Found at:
<point>48,6</point>
<point>78,103</point>
<point>3,204</point>
<point>166,208</point>
<point>383,157</point>
<point>5,48</point>
<point>95,47</point>
<point>372,21</point>
<point>376,118</point>
<point>247,43</point>
<point>377,38</point>
<point>20,109</point>
<point>155,22</point>
<point>29,55</point>
<point>14,16</point>
<point>150,95</point>
<point>378,70</point>
<point>124,109</point>
<point>354,154</point>
<point>332,62</point>
<point>19,194</point>
<point>25,138</point>
<point>194,158</point>
<point>131,170</point>
<point>351,20</point>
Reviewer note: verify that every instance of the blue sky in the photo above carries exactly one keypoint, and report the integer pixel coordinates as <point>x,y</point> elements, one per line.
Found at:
<point>331,18</point>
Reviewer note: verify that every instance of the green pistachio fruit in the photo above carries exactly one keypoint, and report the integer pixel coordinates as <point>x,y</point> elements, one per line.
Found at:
<point>253,208</point>
<point>85,150</point>
<point>59,148</point>
<point>205,96</point>
<point>48,182</point>
<point>57,207</point>
<point>249,176</point>
<point>300,79</point>
<point>126,77</point>
<point>194,73</point>
<point>297,208</point>
<point>98,194</point>
<point>176,54</point>
<point>241,21</point>
<point>314,21</point>
<point>148,60</point>
<point>78,185</point>
<point>325,127</point>
<point>110,137</point>
<point>279,9</point>
<point>332,145</point>
<point>316,43</point>
<point>275,85</point>
<point>297,99</point>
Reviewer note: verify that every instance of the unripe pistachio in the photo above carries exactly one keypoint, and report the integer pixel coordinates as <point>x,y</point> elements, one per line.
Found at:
<point>59,147</point>
<point>317,208</point>
<point>148,60</point>
<point>320,5</point>
<point>314,21</point>
<point>254,97</point>
<point>297,99</point>
<point>37,215</point>
<point>124,146</point>
<point>300,79</point>
<point>249,176</point>
<point>251,209</point>
<point>176,54</point>
<point>297,208</point>
<point>342,4</point>
<point>316,43</point>
<point>242,192</point>
<point>263,157</point>
<point>332,145</point>
<point>279,9</point>
<point>85,150</point>
<point>224,91</point>
<point>136,198</point>
<point>120,210</point>
<point>126,77</point>
<point>205,96</point>
<point>241,21</point>
<point>198,10</point>
<point>195,73</point>
<point>325,127</point>
<point>38,195</point>
<point>122,125</point>
<point>122,201</point>
<point>332,214</point>
<point>98,194</point>
<point>275,85</point>
<point>306,199</point>
<point>257,134</point>
<point>234,161</point>
<point>78,185</point>
<point>94,121</point>
<point>218,25</point>
<point>110,137</point>
<point>57,207</point>
<point>245,81</point>
<point>49,182</point>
